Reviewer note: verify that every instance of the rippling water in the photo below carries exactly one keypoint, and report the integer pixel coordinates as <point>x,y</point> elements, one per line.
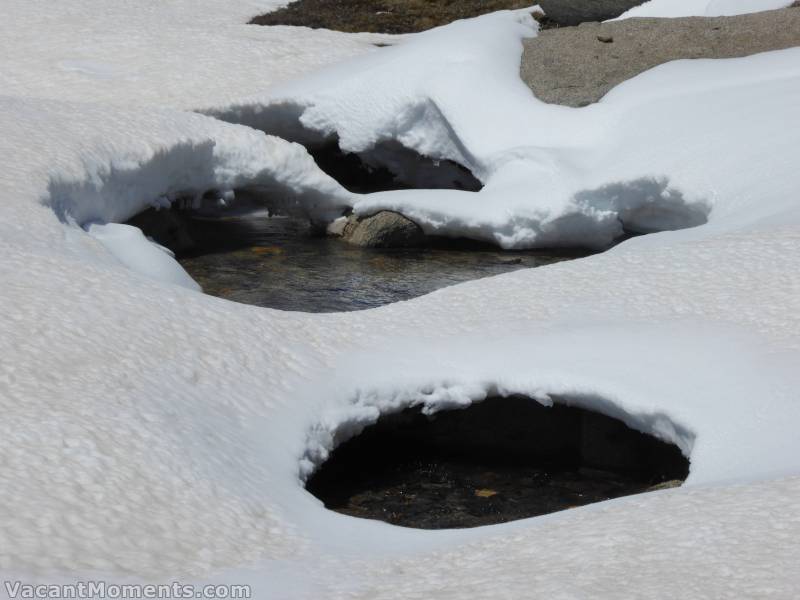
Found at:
<point>277,262</point>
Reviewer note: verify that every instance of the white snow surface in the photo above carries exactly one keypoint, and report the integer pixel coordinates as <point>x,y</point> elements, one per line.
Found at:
<point>554,176</point>
<point>701,8</point>
<point>182,53</point>
<point>129,245</point>
<point>150,432</point>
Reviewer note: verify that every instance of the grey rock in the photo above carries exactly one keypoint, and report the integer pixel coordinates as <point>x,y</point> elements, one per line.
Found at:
<point>385,229</point>
<point>572,12</point>
<point>571,65</point>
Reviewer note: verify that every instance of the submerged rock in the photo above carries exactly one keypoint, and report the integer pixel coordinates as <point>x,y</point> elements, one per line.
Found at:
<point>279,262</point>
<point>665,485</point>
<point>385,229</point>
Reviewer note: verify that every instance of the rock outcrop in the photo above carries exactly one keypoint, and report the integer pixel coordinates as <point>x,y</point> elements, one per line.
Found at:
<point>408,16</point>
<point>562,13</point>
<point>576,66</point>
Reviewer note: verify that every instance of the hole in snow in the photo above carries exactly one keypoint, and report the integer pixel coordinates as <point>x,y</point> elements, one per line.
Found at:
<point>390,166</point>
<point>387,165</point>
<point>496,461</point>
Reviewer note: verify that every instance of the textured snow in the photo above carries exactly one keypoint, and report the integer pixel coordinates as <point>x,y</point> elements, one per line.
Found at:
<point>656,154</point>
<point>129,245</point>
<point>183,53</point>
<point>701,8</point>
<point>709,543</point>
<point>150,432</point>
<point>83,164</point>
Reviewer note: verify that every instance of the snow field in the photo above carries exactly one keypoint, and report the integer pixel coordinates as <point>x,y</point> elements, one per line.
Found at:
<point>151,432</point>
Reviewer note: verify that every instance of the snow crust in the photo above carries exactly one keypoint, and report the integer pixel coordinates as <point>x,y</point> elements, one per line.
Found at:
<point>701,8</point>
<point>151,433</point>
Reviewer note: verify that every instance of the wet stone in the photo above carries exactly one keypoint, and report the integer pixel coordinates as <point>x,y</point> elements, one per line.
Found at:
<point>385,229</point>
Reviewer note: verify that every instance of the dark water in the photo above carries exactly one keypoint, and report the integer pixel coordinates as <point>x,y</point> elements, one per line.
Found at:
<point>491,463</point>
<point>277,262</point>
<point>441,494</point>
<point>496,461</point>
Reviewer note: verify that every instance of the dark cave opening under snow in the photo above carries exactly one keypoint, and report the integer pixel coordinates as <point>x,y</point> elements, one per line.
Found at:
<point>390,166</point>
<point>256,250</point>
<point>499,460</point>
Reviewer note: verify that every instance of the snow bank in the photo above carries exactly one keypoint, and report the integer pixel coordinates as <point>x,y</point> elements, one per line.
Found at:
<point>93,164</point>
<point>553,176</point>
<point>701,8</point>
<point>136,252</point>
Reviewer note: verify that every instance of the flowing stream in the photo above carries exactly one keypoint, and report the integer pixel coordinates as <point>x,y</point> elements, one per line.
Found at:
<point>277,262</point>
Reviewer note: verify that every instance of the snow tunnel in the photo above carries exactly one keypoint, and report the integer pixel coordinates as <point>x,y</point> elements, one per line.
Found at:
<point>386,165</point>
<point>390,166</point>
<point>495,461</point>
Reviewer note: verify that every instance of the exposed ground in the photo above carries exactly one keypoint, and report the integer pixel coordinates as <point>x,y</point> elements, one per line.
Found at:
<point>407,16</point>
<point>577,66</point>
<point>382,16</point>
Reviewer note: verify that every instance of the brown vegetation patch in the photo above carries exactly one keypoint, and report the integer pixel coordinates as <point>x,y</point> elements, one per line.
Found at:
<point>382,16</point>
